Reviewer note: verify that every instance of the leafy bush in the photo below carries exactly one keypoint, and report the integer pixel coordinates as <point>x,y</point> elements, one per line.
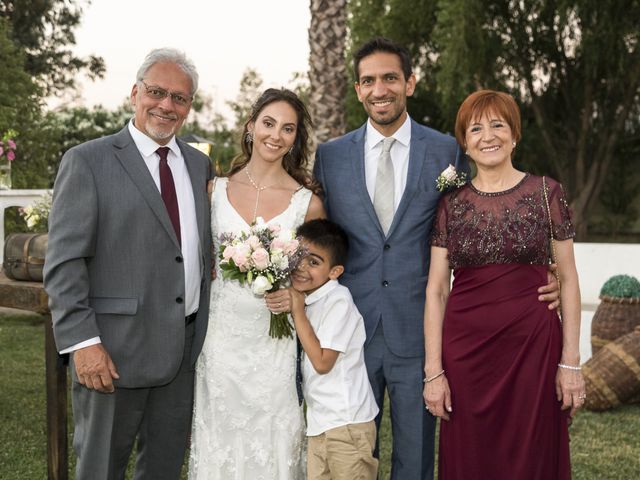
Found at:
<point>621,286</point>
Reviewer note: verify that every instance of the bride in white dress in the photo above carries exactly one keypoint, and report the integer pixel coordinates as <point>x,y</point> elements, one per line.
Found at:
<point>248,424</point>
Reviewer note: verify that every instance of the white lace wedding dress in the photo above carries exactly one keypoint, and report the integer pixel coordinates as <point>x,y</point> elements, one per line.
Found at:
<point>247,422</point>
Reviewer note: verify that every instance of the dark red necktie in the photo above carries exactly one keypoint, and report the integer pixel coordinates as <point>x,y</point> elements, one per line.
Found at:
<point>168,190</point>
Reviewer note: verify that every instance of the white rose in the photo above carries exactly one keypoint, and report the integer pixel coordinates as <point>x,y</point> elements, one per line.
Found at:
<point>261,285</point>
<point>450,173</point>
<point>284,263</point>
<point>260,224</point>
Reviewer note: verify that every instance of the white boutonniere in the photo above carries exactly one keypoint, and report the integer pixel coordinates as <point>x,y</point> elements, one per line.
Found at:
<point>450,178</point>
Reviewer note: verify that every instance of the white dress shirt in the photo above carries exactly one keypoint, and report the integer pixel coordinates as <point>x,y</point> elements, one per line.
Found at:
<point>399,158</point>
<point>190,240</point>
<point>342,396</point>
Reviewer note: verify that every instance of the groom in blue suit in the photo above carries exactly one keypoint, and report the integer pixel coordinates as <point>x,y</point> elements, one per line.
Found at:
<point>388,261</point>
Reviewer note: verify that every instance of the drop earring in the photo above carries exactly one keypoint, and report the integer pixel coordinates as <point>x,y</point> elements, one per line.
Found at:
<point>248,138</point>
<point>514,144</point>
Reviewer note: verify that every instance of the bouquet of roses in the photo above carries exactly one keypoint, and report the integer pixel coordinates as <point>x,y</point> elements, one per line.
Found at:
<point>263,258</point>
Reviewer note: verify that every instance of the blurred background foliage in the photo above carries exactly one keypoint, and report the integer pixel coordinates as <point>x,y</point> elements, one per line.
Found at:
<point>572,65</point>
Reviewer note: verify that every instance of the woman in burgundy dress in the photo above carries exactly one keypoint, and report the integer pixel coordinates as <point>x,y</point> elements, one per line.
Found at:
<point>501,368</point>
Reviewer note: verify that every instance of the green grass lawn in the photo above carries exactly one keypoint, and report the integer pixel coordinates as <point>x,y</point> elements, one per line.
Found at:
<point>604,446</point>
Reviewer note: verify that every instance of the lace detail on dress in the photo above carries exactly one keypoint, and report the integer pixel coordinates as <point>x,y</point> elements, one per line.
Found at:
<point>247,422</point>
<point>479,228</point>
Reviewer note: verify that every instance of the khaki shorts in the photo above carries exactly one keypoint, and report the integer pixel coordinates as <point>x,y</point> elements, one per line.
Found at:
<point>343,453</point>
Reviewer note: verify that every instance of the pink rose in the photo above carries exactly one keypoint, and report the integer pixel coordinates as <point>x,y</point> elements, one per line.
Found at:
<point>260,258</point>
<point>228,252</point>
<point>11,155</point>
<point>241,256</point>
<point>291,246</point>
<point>274,228</point>
<point>11,144</point>
<point>253,241</point>
<point>278,244</point>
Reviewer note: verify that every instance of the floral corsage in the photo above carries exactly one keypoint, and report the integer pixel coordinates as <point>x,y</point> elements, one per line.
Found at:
<point>450,178</point>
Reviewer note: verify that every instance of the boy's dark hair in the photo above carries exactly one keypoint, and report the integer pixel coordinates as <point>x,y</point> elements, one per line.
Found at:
<point>381,44</point>
<point>328,235</point>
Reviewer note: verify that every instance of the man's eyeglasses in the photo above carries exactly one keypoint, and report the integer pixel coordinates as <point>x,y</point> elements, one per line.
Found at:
<point>158,93</point>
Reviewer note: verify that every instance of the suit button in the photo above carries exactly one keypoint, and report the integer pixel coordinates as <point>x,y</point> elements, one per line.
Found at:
<point>385,283</point>
<point>387,246</point>
<point>179,259</point>
<point>179,300</point>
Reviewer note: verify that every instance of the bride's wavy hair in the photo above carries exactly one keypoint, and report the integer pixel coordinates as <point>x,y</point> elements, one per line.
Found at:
<point>296,161</point>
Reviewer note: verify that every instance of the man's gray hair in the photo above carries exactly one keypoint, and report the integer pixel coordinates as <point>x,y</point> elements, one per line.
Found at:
<point>169,55</point>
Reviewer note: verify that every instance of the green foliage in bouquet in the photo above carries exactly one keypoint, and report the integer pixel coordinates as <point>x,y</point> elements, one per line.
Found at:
<point>625,286</point>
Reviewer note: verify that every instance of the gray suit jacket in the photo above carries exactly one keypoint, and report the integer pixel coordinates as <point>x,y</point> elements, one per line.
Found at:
<point>114,266</point>
<point>387,276</point>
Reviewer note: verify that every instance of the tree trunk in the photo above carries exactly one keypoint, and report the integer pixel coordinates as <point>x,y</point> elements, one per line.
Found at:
<point>327,67</point>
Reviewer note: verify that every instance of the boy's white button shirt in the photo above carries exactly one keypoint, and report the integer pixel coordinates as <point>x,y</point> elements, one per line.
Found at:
<point>343,396</point>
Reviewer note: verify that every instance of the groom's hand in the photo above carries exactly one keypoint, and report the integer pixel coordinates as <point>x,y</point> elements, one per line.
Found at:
<point>551,291</point>
<point>95,368</point>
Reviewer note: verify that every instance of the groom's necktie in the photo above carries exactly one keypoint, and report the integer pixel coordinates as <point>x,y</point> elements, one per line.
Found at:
<point>168,190</point>
<point>383,197</point>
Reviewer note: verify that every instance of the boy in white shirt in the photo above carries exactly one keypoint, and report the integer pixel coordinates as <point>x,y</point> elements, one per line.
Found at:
<point>340,404</point>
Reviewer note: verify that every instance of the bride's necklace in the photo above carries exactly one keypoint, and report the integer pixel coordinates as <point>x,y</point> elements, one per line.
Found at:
<point>259,189</point>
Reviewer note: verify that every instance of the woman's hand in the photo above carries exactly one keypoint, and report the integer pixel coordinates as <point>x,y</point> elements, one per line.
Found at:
<point>570,389</point>
<point>437,397</point>
<point>280,301</point>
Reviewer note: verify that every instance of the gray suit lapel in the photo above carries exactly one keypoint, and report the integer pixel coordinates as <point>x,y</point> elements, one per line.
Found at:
<point>357,154</point>
<point>129,156</point>
<point>201,216</point>
<point>417,156</point>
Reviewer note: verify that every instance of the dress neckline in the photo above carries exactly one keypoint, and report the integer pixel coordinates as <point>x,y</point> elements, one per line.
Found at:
<point>226,196</point>
<point>502,192</point>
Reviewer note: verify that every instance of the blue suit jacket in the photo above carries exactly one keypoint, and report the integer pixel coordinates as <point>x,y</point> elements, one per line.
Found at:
<point>387,276</point>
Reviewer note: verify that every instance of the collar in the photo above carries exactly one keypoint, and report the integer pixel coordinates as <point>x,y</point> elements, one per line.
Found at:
<point>402,135</point>
<point>147,146</point>
<point>321,292</point>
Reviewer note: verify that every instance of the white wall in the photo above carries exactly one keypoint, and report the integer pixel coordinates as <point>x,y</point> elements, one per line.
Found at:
<point>596,263</point>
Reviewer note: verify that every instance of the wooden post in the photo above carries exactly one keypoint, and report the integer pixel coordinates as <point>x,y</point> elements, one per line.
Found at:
<point>56,373</point>
<point>32,297</point>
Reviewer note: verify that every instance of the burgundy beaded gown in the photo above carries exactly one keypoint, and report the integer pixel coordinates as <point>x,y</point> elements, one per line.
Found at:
<point>501,346</point>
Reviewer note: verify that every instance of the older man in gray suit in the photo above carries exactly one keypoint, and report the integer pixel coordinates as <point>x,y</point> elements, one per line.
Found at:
<point>127,274</point>
<point>380,185</point>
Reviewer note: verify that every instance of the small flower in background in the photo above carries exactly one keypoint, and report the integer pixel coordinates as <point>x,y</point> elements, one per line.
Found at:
<point>8,145</point>
<point>37,215</point>
<point>450,177</point>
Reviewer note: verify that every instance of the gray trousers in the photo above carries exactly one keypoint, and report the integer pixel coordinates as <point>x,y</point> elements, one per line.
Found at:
<point>107,424</point>
<point>412,426</point>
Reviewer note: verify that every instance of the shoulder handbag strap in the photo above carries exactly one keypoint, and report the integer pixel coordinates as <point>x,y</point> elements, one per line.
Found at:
<point>552,240</point>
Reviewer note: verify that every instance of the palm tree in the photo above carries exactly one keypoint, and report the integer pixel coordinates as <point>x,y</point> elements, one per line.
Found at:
<point>327,67</point>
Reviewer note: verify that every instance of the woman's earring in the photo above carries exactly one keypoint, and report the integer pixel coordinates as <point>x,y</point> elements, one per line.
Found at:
<point>290,150</point>
<point>514,144</point>
<point>248,138</point>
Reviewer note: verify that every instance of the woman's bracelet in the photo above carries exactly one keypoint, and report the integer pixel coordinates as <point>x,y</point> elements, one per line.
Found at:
<point>430,379</point>
<point>570,367</point>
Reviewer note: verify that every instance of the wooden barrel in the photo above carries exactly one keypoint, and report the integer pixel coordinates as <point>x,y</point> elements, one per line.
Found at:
<point>24,256</point>
<point>614,317</point>
<point>612,375</point>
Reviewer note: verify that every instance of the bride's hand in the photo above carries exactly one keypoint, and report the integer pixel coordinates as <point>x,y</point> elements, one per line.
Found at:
<point>279,302</point>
